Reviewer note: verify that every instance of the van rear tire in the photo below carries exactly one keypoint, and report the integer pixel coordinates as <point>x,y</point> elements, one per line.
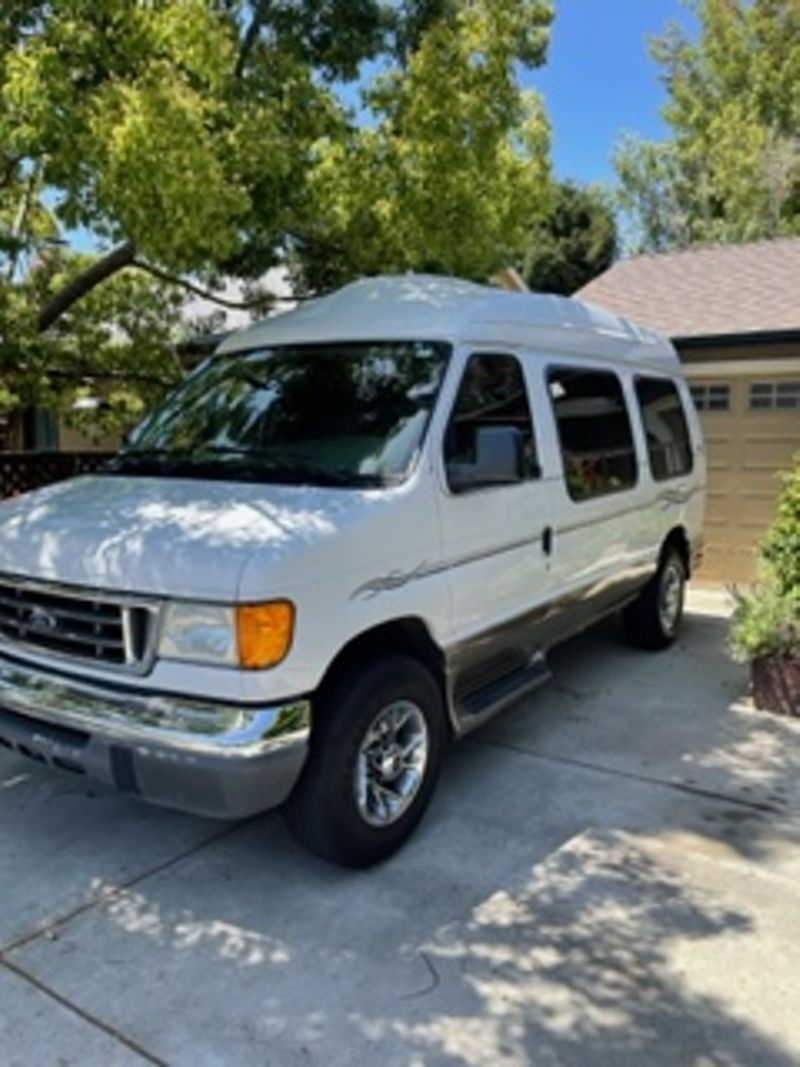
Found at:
<point>652,621</point>
<point>375,756</point>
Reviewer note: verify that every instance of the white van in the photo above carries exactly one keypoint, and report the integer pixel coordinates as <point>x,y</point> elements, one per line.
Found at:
<point>352,533</point>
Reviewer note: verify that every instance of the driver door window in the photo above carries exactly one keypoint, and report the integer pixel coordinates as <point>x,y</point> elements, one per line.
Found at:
<point>489,439</point>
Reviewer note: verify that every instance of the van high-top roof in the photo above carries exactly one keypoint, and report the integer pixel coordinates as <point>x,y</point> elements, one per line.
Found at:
<point>427,307</point>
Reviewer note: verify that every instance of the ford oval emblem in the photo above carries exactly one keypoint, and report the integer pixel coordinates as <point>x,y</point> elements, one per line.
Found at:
<point>41,620</point>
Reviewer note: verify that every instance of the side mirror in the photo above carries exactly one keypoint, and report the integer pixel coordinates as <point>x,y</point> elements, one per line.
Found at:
<point>498,455</point>
<point>498,460</point>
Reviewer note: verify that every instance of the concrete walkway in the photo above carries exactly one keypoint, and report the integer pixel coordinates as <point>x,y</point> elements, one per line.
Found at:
<point>609,875</point>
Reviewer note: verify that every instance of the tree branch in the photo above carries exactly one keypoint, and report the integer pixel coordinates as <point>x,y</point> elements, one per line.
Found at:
<point>102,268</point>
<point>248,43</point>
<point>21,220</point>
<point>207,294</point>
<point>124,255</point>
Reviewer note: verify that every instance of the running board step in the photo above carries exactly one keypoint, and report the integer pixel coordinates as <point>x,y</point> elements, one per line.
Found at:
<point>480,706</point>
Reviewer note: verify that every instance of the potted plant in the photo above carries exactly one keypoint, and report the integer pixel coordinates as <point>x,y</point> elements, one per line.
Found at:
<point>766,620</point>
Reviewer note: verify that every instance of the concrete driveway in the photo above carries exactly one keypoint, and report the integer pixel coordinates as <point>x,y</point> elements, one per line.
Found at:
<point>609,875</point>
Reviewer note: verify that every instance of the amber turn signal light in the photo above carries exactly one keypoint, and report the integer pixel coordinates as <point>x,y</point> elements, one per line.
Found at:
<point>264,633</point>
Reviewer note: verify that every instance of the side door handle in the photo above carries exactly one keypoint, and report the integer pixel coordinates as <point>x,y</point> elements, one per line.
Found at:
<point>547,540</point>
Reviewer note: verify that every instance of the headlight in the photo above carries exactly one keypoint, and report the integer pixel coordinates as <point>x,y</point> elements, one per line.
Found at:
<point>248,635</point>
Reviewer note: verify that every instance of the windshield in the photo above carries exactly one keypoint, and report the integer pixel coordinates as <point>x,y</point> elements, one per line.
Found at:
<point>335,414</point>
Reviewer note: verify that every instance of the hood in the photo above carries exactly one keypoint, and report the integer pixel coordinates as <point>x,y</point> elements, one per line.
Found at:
<point>163,536</point>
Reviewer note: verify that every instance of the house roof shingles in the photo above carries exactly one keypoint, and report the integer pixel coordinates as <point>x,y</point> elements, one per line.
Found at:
<point>708,290</point>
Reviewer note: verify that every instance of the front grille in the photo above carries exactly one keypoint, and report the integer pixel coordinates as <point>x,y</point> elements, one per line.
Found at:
<point>80,626</point>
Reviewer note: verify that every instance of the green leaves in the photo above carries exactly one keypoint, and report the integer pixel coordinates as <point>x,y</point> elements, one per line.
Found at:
<point>117,344</point>
<point>455,167</point>
<point>765,623</point>
<point>573,244</point>
<point>732,169</point>
<point>781,547</point>
<point>160,178</point>
<point>210,137</point>
<point>767,620</point>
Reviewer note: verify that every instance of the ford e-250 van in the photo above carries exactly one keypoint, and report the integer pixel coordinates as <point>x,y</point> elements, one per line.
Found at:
<point>350,534</point>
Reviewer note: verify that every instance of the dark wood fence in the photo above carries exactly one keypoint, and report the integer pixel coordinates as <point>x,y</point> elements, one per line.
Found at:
<point>21,471</point>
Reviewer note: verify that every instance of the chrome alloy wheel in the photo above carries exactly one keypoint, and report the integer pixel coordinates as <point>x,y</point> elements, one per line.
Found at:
<point>391,763</point>
<point>670,596</point>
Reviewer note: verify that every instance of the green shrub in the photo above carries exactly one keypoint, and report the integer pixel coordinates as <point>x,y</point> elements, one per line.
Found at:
<point>766,620</point>
<point>780,548</point>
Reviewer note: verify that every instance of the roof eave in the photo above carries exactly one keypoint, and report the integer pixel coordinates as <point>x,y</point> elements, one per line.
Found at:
<point>740,339</point>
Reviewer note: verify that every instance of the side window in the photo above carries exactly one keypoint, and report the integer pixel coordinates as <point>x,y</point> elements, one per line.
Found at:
<point>594,430</point>
<point>668,444</point>
<point>489,439</point>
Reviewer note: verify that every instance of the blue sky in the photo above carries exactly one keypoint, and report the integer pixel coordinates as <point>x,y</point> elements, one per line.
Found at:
<point>600,81</point>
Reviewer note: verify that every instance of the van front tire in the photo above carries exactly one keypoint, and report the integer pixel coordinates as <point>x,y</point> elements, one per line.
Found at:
<point>653,619</point>
<point>375,755</point>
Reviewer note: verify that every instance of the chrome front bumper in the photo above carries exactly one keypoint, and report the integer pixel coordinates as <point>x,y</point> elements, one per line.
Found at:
<point>214,759</point>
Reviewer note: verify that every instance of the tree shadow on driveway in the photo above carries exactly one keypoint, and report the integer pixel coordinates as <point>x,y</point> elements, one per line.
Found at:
<point>587,965</point>
<point>677,720</point>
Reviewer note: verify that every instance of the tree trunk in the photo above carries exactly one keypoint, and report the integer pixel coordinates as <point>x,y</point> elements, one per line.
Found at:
<point>110,263</point>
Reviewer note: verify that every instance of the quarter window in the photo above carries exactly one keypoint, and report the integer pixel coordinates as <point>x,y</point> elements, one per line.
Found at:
<point>668,444</point>
<point>489,440</point>
<point>709,397</point>
<point>774,395</point>
<point>594,430</point>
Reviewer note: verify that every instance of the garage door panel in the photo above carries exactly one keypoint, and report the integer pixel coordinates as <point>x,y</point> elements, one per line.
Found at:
<point>764,453</point>
<point>719,453</point>
<point>738,509</point>
<point>723,485</point>
<point>718,509</point>
<point>762,482</point>
<point>725,564</point>
<point>745,448</point>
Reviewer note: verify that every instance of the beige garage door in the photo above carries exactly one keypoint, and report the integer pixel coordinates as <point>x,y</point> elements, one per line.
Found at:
<point>752,430</point>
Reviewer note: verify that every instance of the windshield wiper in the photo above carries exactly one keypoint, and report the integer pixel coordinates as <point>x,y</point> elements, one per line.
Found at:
<point>137,458</point>
<point>247,464</point>
<point>291,465</point>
